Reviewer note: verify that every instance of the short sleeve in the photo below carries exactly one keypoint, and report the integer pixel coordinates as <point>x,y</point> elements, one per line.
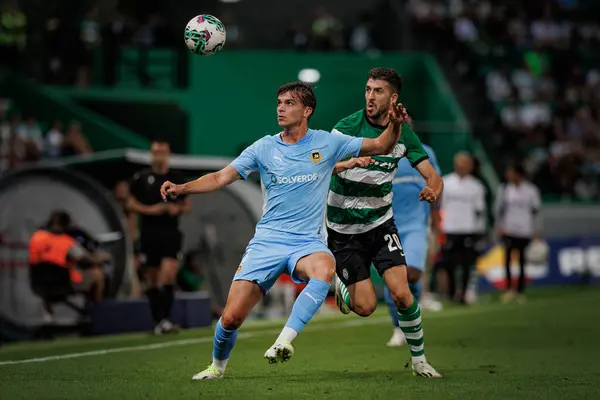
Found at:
<point>247,162</point>
<point>344,145</point>
<point>135,186</point>
<point>414,149</point>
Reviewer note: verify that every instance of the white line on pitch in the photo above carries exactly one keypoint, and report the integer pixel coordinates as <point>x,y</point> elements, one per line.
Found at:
<point>184,342</point>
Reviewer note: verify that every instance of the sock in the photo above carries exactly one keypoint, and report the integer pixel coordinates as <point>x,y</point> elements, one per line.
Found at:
<point>410,323</point>
<point>345,294</point>
<point>223,343</point>
<point>416,289</point>
<point>154,298</point>
<point>392,308</point>
<point>168,293</point>
<point>305,306</point>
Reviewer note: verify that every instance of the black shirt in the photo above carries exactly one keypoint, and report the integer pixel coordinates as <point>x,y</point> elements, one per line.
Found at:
<point>145,188</point>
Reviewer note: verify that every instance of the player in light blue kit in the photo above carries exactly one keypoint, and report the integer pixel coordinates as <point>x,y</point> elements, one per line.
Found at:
<point>412,217</point>
<point>295,168</point>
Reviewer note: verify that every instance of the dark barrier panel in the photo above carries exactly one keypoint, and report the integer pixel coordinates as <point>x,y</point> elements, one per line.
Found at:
<point>27,197</point>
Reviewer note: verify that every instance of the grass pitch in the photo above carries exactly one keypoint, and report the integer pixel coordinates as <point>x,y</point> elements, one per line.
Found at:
<point>546,349</point>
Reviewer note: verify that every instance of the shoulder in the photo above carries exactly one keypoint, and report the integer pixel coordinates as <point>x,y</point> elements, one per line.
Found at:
<point>141,174</point>
<point>263,142</point>
<point>350,124</point>
<point>174,175</point>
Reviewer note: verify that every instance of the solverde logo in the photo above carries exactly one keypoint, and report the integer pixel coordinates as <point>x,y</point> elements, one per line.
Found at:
<point>284,180</point>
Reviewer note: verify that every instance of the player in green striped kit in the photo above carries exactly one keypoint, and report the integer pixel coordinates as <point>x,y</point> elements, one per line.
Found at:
<point>360,223</point>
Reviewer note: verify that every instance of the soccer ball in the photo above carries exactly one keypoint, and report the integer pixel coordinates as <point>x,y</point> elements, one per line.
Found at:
<point>205,35</point>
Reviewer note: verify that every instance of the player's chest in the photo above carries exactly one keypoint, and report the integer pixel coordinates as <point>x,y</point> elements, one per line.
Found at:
<point>150,186</point>
<point>306,159</point>
<point>289,169</point>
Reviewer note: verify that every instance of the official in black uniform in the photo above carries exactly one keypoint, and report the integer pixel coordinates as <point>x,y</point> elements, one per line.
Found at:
<point>160,238</point>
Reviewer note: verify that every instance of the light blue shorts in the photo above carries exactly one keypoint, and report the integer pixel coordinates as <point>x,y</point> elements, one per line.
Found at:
<point>265,260</point>
<point>415,244</point>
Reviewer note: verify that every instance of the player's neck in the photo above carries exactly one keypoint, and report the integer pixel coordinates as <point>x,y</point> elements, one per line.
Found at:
<point>294,134</point>
<point>382,120</point>
<point>160,169</point>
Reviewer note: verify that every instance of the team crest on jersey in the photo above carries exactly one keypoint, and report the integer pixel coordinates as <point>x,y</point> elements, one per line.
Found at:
<point>315,157</point>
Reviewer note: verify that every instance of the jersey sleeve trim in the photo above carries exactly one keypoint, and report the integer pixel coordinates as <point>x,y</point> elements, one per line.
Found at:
<point>419,161</point>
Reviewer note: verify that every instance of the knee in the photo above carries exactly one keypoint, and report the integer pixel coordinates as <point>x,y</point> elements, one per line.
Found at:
<point>323,269</point>
<point>231,320</point>
<point>364,309</point>
<point>403,298</point>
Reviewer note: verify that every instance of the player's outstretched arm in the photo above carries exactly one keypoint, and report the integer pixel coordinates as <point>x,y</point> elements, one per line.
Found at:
<point>385,143</point>
<point>342,166</point>
<point>431,193</point>
<point>205,184</point>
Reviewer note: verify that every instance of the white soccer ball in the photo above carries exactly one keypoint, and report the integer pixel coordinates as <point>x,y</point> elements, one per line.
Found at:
<point>205,35</point>
<point>537,252</point>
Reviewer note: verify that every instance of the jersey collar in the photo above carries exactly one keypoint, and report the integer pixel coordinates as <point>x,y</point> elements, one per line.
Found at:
<point>372,124</point>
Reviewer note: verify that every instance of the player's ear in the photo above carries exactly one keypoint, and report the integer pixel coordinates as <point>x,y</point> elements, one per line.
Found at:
<point>395,98</point>
<point>308,112</point>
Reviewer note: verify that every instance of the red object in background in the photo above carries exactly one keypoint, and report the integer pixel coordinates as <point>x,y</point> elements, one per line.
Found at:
<point>285,279</point>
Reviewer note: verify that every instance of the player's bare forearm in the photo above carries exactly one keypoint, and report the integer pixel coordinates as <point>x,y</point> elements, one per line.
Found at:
<point>342,166</point>
<point>384,144</point>
<point>432,178</point>
<point>210,182</point>
<point>139,208</point>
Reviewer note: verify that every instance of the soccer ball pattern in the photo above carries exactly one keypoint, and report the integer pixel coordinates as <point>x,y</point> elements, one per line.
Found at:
<point>205,35</point>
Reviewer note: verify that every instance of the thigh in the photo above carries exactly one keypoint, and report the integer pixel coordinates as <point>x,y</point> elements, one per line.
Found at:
<point>352,258</point>
<point>310,260</point>
<point>263,262</point>
<point>387,248</point>
<point>415,244</point>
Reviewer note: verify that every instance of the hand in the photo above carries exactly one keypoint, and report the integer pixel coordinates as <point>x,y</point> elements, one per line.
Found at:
<point>397,113</point>
<point>428,195</point>
<point>173,209</point>
<point>169,189</point>
<point>362,162</point>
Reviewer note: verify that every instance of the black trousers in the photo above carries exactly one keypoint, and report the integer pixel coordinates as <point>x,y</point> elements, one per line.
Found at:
<point>512,243</point>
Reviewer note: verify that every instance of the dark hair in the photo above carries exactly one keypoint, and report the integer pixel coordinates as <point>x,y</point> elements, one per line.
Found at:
<point>160,141</point>
<point>389,75</point>
<point>59,217</point>
<point>518,168</point>
<point>302,91</point>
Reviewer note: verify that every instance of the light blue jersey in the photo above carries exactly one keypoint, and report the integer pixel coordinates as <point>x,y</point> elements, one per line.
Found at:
<point>411,215</point>
<point>295,179</point>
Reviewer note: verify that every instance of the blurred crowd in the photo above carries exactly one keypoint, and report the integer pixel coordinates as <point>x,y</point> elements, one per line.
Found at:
<point>25,140</point>
<point>538,62</point>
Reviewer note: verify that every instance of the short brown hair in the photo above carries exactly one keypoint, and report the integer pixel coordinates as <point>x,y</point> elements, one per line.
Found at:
<point>389,75</point>
<point>302,91</point>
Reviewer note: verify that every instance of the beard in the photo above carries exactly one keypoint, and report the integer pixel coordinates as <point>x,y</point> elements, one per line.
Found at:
<point>378,112</point>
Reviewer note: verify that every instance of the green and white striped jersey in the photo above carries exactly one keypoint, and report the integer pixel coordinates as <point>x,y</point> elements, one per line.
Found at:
<point>360,199</point>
